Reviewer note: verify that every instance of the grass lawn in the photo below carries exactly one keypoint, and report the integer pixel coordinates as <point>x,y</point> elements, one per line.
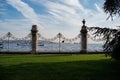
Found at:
<point>58,67</point>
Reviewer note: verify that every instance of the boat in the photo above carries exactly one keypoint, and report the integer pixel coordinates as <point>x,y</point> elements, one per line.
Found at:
<point>41,44</point>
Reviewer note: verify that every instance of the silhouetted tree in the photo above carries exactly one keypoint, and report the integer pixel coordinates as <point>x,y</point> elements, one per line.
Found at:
<point>112,7</point>
<point>112,40</point>
<point>111,36</point>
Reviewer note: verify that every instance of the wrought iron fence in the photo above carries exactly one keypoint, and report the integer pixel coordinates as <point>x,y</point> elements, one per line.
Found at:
<point>58,43</point>
<point>9,42</point>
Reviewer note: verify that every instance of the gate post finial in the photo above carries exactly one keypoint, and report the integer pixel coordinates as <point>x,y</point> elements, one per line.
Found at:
<point>83,38</point>
<point>34,32</point>
<point>83,22</point>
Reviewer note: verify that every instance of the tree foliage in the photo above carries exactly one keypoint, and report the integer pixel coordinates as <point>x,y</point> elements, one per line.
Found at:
<point>111,36</point>
<point>112,40</point>
<point>112,7</point>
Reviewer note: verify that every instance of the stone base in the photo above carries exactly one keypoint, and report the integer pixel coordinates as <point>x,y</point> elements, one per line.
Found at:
<point>34,52</point>
<point>83,51</point>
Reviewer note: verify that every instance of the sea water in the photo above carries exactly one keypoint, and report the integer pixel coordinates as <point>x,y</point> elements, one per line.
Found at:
<point>49,47</point>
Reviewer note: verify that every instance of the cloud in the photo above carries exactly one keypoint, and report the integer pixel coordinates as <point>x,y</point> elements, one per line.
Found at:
<point>63,16</point>
<point>25,10</point>
<point>2,9</point>
<point>66,16</point>
<point>18,27</point>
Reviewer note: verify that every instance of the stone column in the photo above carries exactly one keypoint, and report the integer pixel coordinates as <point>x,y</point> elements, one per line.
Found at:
<point>34,33</point>
<point>83,38</point>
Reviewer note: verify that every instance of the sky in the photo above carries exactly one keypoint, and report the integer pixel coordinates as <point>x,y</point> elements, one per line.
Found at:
<point>52,16</point>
